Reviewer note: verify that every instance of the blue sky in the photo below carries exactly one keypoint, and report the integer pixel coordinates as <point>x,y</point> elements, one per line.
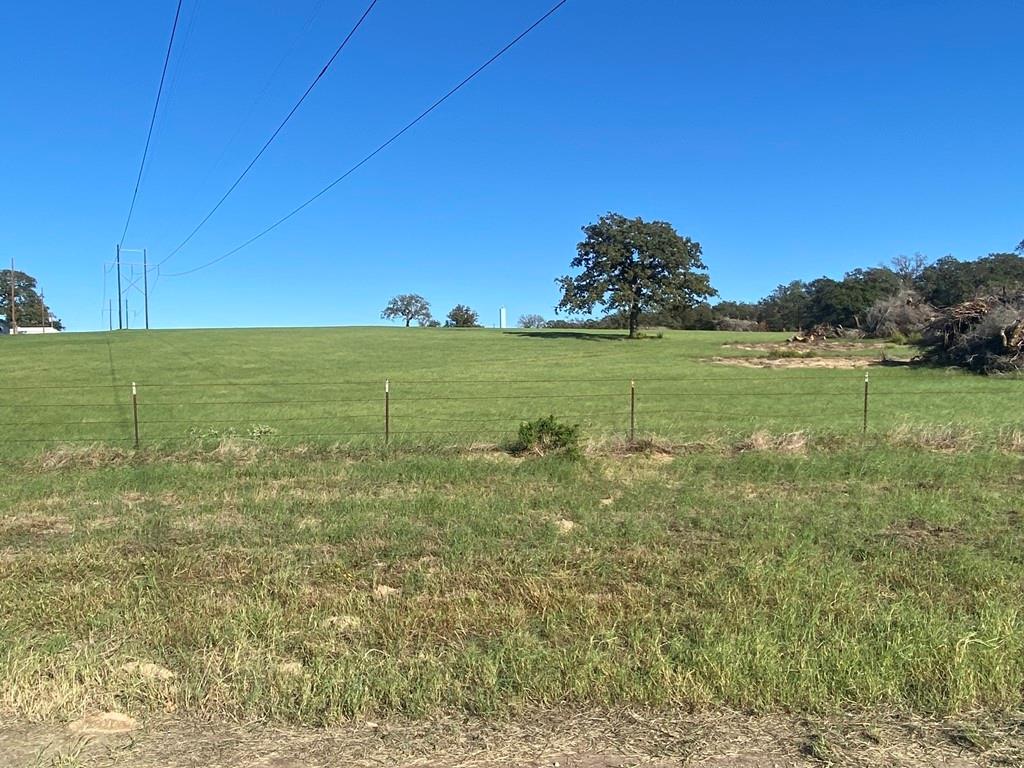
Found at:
<point>791,139</point>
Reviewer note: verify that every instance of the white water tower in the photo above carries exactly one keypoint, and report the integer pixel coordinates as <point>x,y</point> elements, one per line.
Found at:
<point>503,318</point>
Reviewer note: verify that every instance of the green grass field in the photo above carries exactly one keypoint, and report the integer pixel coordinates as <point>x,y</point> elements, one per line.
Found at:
<point>325,386</point>
<point>306,582</point>
<point>877,579</point>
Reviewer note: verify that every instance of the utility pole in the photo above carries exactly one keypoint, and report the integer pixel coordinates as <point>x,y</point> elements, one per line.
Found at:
<point>42,310</point>
<point>110,314</point>
<point>120,322</point>
<point>13,314</point>
<point>129,281</point>
<point>145,285</point>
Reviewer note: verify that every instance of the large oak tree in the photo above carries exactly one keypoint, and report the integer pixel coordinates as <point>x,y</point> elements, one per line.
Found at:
<point>634,266</point>
<point>28,304</point>
<point>408,307</point>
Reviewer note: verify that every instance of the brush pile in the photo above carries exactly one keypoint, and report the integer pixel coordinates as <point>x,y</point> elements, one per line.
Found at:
<point>906,314</point>
<point>824,332</point>
<point>985,335</point>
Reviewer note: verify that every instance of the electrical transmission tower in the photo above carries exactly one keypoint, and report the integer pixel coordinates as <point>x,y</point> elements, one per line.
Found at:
<point>136,279</point>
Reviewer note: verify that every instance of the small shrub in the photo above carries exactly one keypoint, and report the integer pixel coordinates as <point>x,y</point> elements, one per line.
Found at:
<point>786,352</point>
<point>260,431</point>
<point>201,434</point>
<point>547,436</point>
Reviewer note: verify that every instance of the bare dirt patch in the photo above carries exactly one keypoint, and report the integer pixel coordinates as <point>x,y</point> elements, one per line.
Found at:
<point>104,724</point>
<point>567,740</point>
<point>796,362</point>
<point>919,533</point>
<point>819,346</point>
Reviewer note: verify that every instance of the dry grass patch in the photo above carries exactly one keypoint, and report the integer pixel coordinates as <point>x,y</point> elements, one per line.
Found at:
<point>948,438</point>
<point>918,533</point>
<point>1011,440</point>
<point>147,670</point>
<point>617,445</point>
<point>93,456</point>
<point>787,442</point>
<point>35,524</point>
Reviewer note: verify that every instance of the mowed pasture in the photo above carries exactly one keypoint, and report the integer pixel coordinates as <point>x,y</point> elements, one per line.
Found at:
<point>326,386</point>
<point>309,580</point>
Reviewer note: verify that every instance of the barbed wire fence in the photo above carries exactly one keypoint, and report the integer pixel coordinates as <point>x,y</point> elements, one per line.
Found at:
<point>397,410</point>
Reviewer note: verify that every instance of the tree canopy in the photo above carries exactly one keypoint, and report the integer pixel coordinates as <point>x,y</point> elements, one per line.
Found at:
<point>408,307</point>
<point>462,316</point>
<point>950,281</point>
<point>531,321</point>
<point>28,304</point>
<point>634,266</point>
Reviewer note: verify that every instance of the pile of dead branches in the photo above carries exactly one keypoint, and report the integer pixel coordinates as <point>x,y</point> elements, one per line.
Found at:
<point>824,332</point>
<point>904,314</point>
<point>985,335</point>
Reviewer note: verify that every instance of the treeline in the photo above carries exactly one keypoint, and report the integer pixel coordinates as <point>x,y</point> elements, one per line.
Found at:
<point>848,302</point>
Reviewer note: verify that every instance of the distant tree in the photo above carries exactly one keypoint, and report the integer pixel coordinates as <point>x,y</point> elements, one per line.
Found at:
<point>531,321</point>
<point>787,308</point>
<point>408,307</point>
<point>909,268</point>
<point>1001,274</point>
<point>28,304</point>
<point>845,302</point>
<point>946,282</point>
<point>735,310</point>
<point>462,316</point>
<point>949,281</point>
<point>634,266</point>
<point>695,317</point>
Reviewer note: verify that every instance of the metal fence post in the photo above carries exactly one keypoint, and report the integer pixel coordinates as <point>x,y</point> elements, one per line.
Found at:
<point>865,402</point>
<point>135,413</point>
<point>632,411</point>
<point>387,411</point>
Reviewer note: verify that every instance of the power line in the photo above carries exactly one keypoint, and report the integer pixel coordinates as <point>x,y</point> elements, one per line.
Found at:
<point>379,149</point>
<point>152,122</point>
<point>266,87</point>
<point>273,136</point>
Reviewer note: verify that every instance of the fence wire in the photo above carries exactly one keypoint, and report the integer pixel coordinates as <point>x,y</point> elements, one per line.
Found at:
<point>406,409</point>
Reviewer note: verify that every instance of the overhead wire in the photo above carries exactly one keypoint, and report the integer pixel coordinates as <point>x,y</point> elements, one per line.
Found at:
<point>273,136</point>
<point>261,94</point>
<point>152,122</point>
<point>378,150</point>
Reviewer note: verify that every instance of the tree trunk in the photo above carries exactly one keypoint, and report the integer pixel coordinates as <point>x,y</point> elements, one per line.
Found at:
<point>407,321</point>
<point>634,317</point>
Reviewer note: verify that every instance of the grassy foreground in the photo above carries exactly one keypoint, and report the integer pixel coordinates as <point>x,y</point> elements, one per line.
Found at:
<point>309,587</point>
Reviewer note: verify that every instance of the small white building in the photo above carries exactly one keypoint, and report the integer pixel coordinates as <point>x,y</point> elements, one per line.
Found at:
<point>31,329</point>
